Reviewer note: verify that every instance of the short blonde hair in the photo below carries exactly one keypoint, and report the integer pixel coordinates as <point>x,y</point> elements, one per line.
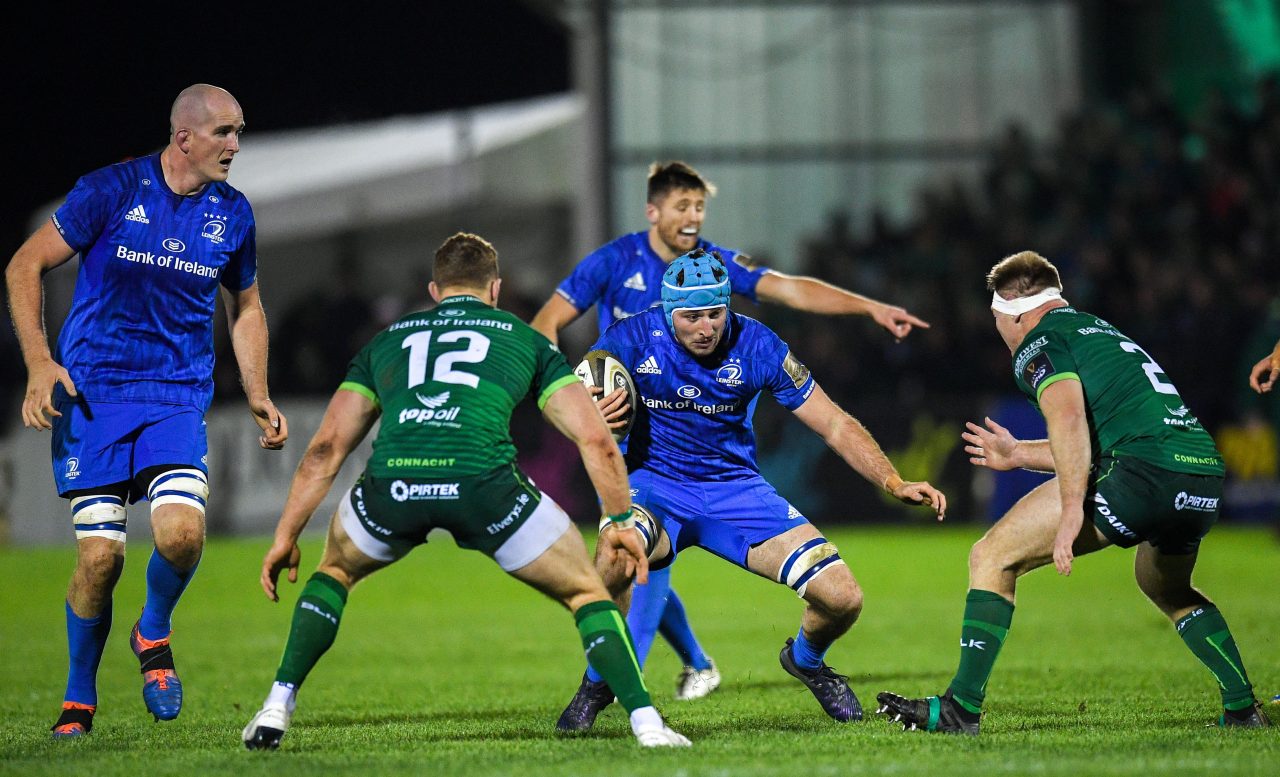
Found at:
<point>465,260</point>
<point>1023,274</point>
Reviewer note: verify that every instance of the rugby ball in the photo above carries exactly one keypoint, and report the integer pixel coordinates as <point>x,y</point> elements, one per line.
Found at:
<point>601,368</point>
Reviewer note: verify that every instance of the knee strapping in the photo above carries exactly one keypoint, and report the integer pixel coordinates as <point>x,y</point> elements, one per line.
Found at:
<point>99,515</point>
<point>807,562</point>
<point>188,487</point>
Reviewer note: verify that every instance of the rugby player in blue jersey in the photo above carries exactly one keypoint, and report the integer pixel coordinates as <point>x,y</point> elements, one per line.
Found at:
<point>692,464</point>
<point>623,278</point>
<point>126,390</point>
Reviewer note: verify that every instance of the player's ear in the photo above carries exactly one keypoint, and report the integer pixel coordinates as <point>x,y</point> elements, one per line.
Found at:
<point>495,286</point>
<point>651,212</point>
<point>182,139</point>
<point>434,291</point>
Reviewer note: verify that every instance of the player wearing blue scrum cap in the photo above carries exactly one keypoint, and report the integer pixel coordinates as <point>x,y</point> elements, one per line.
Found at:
<point>624,277</point>
<point>699,369</point>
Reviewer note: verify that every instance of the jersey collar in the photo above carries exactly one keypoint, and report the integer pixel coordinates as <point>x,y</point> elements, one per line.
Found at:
<point>460,298</point>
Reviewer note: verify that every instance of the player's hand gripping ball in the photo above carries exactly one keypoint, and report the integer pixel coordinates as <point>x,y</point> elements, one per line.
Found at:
<point>601,368</point>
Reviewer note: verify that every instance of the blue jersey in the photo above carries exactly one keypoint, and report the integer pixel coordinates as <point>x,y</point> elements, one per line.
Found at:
<point>696,421</point>
<point>625,277</point>
<point>141,322</point>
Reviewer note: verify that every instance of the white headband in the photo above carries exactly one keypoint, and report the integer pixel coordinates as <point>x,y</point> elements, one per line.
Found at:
<point>1020,305</point>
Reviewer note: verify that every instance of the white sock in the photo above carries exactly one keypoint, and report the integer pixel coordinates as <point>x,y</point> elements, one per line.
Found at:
<point>645,717</point>
<point>283,693</point>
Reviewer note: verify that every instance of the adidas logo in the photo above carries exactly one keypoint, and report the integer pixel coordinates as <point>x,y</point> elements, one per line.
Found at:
<point>649,367</point>
<point>137,214</point>
<point>636,282</point>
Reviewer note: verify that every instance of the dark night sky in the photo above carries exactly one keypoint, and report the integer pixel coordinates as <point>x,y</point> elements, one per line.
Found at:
<point>91,88</point>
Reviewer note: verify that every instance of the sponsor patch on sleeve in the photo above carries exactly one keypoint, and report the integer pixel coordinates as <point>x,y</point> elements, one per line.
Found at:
<point>1037,369</point>
<point>795,370</point>
<point>746,262</point>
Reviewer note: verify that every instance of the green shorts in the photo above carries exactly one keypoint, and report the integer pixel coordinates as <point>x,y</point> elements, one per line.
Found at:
<point>1135,501</point>
<point>500,513</point>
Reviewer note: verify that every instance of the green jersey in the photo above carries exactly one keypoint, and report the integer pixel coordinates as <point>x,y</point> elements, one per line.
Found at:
<point>447,380</point>
<point>1133,409</point>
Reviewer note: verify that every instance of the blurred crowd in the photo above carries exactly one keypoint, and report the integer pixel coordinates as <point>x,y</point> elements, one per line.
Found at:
<point>1165,226</point>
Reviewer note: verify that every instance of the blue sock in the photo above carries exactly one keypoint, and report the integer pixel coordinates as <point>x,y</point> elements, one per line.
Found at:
<point>86,637</point>
<point>807,654</point>
<point>647,602</point>
<point>165,584</point>
<point>675,629</point>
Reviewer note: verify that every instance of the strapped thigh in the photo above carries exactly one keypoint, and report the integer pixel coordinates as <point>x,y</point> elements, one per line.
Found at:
<point>806,562</point>
<point>99,512</point>
<point>179,485</point>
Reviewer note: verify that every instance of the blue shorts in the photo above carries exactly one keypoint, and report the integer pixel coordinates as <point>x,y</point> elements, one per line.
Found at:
<point>103,443</point>
<point>726,518</point>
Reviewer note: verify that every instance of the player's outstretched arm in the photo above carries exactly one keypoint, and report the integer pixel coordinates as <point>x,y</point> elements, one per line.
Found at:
<point>572,412</point>
<point>42,252</point>
<point>814,296</point>
<point>1263,375</point>
<point>1064,413</point>
<point>346,421</point>
<point>555,315</point>
<point>995,448</point>
<point>845,435</point>
<point>248,323</point>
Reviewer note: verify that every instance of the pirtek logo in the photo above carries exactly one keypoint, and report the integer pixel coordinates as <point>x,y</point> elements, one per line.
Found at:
<point>402,491</point>
<point>1203,504</point>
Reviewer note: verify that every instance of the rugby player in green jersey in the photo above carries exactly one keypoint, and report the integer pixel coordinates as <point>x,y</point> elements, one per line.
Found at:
<point>444,382</point>
<point>1123,446</point>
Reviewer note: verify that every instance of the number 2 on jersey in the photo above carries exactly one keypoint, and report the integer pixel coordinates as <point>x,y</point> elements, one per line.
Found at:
<point>1151,368</point>
<point>419,345</point>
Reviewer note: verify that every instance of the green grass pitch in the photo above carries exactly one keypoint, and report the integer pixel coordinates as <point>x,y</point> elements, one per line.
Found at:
<point>446,666</point>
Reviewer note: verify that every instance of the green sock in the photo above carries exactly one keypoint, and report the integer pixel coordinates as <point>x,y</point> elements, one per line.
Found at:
<point>611,652</point>
<point>1205,632</point>
<point>315,624</point>
<point>987,616</point>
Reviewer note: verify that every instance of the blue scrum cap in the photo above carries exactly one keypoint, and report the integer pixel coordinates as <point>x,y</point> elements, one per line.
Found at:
<point>695,281</point>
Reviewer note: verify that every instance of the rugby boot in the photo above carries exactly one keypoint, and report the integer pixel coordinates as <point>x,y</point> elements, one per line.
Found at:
<point>161,688</point>
<point>829,688</point>
<point>267,727</point>
<point>1249,717</point>
<point>661,736</point>
<point>1275,699</point>
<point>696,683</point>
<point>585,705</point>
<point>76,720</point>
<point>936,713</point>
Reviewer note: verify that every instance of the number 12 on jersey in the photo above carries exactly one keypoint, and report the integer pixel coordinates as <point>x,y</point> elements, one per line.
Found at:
<point>419,345</point>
